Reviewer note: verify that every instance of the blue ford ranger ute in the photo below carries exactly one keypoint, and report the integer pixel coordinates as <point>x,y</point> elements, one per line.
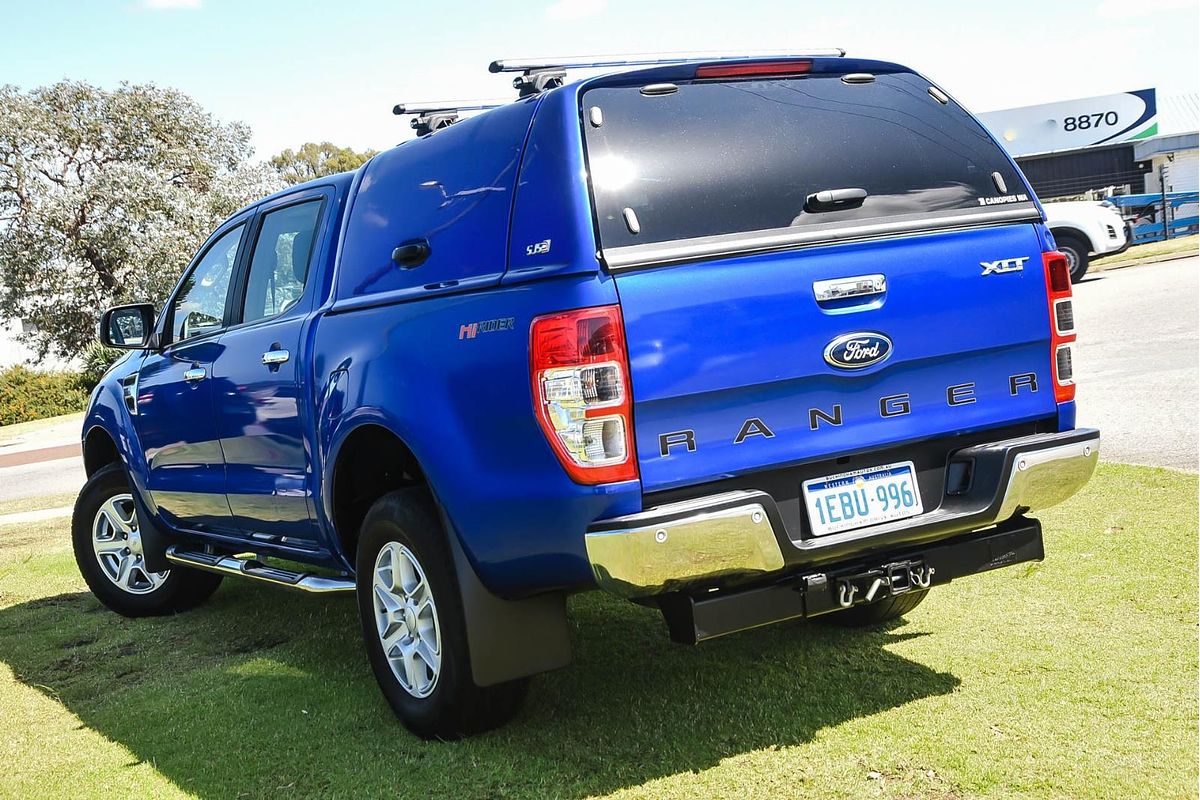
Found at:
<point>743,339</point>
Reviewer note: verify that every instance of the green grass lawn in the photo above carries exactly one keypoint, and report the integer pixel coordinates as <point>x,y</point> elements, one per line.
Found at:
<point>1178,246</point>
<point>1074,678</point>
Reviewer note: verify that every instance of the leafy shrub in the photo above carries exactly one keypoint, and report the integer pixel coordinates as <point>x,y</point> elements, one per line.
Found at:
<point>26,394</point>
<point>96,360</point>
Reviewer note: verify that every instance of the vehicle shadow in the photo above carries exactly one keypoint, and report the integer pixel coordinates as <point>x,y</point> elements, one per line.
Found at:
<point>262,689</point>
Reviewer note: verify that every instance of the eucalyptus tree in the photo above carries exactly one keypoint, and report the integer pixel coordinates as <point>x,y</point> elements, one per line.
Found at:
<point>104,196</point>
<point>314,160</point>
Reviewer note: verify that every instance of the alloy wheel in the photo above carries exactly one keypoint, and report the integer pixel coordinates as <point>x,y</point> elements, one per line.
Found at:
<point>117,543</point>
<point>406,619</point>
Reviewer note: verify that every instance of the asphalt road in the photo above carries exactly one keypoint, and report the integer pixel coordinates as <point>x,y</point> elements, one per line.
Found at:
<point>41,479</point>
<point>1136,366</point>
<point>1136,363</point>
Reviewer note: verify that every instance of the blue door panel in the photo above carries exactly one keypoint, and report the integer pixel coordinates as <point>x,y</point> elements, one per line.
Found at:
<point>185,467</point>
<point>261,427</point>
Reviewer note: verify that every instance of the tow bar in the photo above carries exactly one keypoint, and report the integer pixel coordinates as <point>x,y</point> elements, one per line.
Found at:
<point>830,589</point>
<point>895,578</point>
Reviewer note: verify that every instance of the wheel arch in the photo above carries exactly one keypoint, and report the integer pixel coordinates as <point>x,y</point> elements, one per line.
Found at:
<point>99,450</point>
<point>369,461</point>
<point>538,624</point>
<point>1074,233</point>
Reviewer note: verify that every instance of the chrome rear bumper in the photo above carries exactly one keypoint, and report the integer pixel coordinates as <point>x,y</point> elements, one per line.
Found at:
<point>736,536</point>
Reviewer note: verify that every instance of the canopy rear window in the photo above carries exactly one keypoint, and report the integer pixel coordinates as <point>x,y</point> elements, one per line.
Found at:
<point>718,158</point>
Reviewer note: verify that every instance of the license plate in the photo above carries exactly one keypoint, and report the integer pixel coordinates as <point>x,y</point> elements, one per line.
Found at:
<point>860,498</point>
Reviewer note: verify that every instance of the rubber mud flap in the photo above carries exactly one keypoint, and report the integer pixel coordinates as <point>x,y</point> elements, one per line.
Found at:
<point>509,639</point>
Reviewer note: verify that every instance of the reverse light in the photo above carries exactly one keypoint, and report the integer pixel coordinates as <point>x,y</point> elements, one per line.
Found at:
<point>579,367</point>
<point>761,69</point>
<point>1062,325</point>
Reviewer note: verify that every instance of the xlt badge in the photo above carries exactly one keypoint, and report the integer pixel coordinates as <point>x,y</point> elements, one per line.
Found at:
<point>1003,265</point>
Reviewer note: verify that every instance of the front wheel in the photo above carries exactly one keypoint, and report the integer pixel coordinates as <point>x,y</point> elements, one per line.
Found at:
<point>413,624</point>
<point>108,550</point>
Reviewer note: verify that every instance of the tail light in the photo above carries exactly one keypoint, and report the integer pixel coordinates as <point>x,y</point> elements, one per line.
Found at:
<point>1062,325</point>
<point>580,371</point>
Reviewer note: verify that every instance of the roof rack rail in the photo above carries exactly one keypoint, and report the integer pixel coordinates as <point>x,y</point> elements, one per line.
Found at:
<point>540,74</point>
<point>433,116</point>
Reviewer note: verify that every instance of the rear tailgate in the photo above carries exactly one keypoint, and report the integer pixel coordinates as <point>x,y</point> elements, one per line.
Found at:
<point>708,202</point>
<point>735,349</point>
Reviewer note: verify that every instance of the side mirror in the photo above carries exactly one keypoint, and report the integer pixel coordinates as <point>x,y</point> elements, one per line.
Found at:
<point>127,327</point>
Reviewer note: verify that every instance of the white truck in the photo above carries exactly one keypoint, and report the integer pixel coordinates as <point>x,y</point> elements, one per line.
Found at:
<point>1085,228</point>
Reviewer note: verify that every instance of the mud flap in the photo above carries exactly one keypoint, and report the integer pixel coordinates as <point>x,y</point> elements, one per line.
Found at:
<point>154,541</point>
<point>510,639</point>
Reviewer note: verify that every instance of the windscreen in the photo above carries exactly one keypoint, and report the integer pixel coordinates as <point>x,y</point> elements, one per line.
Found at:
<point>711,158</point>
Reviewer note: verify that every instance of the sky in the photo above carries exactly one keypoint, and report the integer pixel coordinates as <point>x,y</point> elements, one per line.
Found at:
<point>299,71</point>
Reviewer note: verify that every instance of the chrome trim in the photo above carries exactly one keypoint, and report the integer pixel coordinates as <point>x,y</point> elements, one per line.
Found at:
<point>660,253</point>
<point>658,89</point>
<point>652,556</point>
<point>699,541</point>
<point>841,288</point>
<point>847,338</point>
<point>252,568</point>
<point>273,357</point>
<point>129,391</point>
<point>1043,478</point>
<point>194,374</point>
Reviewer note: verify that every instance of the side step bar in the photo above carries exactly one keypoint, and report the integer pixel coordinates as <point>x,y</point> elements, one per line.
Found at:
<point>253,568</point>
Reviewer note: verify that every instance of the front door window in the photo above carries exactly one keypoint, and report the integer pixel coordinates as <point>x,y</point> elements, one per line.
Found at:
<point>199,306</point>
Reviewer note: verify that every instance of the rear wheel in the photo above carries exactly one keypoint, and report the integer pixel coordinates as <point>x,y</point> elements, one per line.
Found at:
<point>876,613</point>
<point>413,624</point>
<point>1076,251</point>
<point>108,550</point>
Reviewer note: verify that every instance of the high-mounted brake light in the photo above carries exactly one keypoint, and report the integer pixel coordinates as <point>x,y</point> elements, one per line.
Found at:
<point>580,371</point>
<point>1062,325</point>
<point>761,69</point>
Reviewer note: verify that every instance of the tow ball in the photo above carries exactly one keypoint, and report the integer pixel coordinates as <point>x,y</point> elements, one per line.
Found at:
<point>891,579</point>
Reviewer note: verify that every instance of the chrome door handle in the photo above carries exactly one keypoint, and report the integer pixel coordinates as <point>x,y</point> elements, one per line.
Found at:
<point>860,286</point>
<point>274,357</point>
<point>194,374</point>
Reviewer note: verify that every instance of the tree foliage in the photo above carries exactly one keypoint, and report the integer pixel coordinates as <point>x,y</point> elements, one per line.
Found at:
<point>314,160</point>
<point>105,196</point>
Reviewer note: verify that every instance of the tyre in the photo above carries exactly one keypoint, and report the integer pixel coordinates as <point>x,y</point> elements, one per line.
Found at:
<point>1076,251</point>
<point>108,551</point>
<point>413,624</point>
<point>876,613</point>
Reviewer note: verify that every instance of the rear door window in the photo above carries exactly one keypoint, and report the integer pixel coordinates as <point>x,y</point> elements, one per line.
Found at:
<point>716,158</point>
<point>280,264</point>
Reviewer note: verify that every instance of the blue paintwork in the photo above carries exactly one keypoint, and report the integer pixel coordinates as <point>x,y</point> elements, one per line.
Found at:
<point>254,450</point>
<point>472,428</point>
<point>177,432</point>
<point>262,414</point>
<point>457,192</point>
<point>690,331</point>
